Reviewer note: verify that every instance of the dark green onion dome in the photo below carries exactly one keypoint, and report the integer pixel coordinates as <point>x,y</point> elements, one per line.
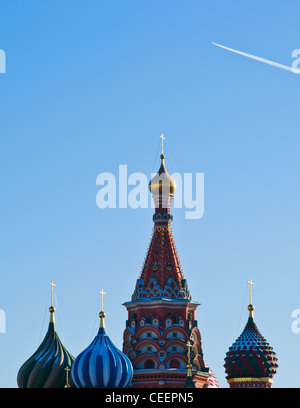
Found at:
<point>48,367</point>
<point>250,356</point>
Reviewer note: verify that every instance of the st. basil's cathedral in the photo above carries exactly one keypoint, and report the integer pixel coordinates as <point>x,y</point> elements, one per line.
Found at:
<point>162,345</point>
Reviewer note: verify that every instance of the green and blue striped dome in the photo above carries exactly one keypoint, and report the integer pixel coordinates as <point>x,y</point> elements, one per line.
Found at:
<point>47,367</point>
<point>102,364</point>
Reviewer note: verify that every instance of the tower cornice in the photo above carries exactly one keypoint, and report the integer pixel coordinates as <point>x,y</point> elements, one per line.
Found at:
<point>159,301</point>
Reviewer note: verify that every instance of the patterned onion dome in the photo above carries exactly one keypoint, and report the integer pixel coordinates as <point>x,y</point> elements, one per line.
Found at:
<point>250,355</point>
<point>102,364</point>
<point>47,367</point>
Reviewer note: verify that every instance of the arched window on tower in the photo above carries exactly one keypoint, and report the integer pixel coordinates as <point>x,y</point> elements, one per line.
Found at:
<point>149,364</point>
<point>168,323</point>
<point>174,363</point>
<point>175,320</point>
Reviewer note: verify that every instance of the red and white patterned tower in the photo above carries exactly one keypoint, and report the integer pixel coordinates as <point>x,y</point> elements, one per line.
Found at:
<point>161,313</point>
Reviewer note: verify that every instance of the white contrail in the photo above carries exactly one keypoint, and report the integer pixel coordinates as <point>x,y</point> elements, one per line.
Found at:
<point>275,64</point>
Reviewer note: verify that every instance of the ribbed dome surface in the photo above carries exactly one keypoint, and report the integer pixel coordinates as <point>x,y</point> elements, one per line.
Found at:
<point>250,355</point>
<point>102,365</point>
<point>46,367</point>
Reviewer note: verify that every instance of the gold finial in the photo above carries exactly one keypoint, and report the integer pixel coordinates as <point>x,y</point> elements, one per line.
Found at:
<point>189,365</point>
<point>250,307</point>
<point>52,308</point>
<point>102,314</point>
<point>67,369</point>
<point>162,145</point>
<point>189,377</point>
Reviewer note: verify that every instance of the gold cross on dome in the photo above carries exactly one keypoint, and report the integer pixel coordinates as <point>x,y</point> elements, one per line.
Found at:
<point>102,293</point>
<point>67,377</point>
<point>189,365</point>
<point>52,284</point>
<point>162,143</point>
<point>250,283</point>
<point>189,346</point>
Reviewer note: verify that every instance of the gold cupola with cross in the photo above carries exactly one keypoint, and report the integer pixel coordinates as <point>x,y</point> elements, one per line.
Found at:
<point>162,184</point>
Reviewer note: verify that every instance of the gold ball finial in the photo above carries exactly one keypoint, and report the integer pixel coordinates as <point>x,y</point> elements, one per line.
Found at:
<point>250,308</point>
<point>51,309</point>
<point>102,316</point>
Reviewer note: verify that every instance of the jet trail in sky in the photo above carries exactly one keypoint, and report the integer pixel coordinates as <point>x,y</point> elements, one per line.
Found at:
<point>275,64</point>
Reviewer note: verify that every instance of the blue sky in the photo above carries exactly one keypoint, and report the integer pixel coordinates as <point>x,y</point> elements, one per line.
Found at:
<point>90,85</point>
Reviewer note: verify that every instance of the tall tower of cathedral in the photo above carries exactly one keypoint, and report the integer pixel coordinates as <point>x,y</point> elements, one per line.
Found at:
<point>161,313</point>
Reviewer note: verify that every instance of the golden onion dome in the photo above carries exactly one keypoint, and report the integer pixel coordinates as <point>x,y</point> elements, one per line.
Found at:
<point>162,182</point>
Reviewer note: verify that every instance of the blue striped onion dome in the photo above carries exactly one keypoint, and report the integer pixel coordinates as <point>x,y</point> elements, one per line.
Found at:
<point>102,364</point>
<point>46,368</point>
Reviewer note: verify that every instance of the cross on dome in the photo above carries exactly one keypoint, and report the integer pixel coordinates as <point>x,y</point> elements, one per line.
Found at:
<point>102,314</point>
<point>162,143</point>
<point>52,308</point>
<point>250,284</point>
<point>52,284</point>
<point>102,293</point>
<point>67,369</point>
<point>250,307</point>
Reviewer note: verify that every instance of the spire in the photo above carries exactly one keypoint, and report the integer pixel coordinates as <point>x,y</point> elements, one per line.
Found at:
<point>161,309</point>
<point>161,274</point>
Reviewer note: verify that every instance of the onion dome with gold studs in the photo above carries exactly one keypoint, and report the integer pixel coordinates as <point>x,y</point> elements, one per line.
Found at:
<point>102,364</point>
<point>48,366</point>
<point>250,361</point>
